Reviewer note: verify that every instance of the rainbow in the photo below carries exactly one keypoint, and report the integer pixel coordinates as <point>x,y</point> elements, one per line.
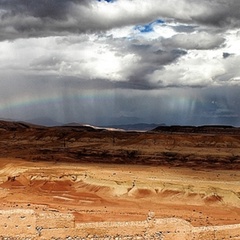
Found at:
<point>85,96</point>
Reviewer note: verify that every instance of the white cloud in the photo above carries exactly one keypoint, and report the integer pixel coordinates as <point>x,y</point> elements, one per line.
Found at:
<point>196,69</point>
<point>153,48</point>
<point>232,41</point>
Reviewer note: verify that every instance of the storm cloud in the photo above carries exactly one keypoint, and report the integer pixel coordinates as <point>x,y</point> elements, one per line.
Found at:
<point>29,18</point>
<point>98,61</point>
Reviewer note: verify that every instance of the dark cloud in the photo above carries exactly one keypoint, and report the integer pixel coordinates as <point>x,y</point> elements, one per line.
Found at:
<point>150,60</point>
<point>222,13</point>
<point>99,102</point>
<point>185,28</point>
<point>55,9</point>
<point>46,62</point>
<point>200,40</point>
<point>30,18</point>
<point>226,55</point>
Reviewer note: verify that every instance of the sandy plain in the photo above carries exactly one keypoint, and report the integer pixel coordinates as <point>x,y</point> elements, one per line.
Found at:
<point>100,175</point>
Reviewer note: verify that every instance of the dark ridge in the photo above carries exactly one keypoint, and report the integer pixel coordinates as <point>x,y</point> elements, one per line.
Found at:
<point>47,122</point>
<point>14,126</point>
<point>216,126</point>
<point>198,129</point>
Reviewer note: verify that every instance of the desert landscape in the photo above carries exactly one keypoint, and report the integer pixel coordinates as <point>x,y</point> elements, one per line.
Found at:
<point>82,182</point>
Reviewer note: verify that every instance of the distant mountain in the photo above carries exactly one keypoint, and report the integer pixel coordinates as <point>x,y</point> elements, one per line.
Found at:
<point>135,127</point>
<point>82,126</point>
<point>44,122</point>
<point>127,127</point>
<point>73,124</point>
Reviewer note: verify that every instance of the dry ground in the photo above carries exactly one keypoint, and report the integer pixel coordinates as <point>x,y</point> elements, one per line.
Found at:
<point>120,176</point>
<point>101,192</point>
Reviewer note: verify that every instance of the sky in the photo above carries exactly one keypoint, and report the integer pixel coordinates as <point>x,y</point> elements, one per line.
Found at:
<point>104,62</point>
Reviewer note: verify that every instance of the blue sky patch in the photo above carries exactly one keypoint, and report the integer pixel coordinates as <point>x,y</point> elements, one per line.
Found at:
<point>148,27</point>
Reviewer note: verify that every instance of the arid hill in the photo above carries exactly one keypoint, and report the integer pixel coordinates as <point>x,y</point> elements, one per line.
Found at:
<point>94,175</point>
<point>201,147</point>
